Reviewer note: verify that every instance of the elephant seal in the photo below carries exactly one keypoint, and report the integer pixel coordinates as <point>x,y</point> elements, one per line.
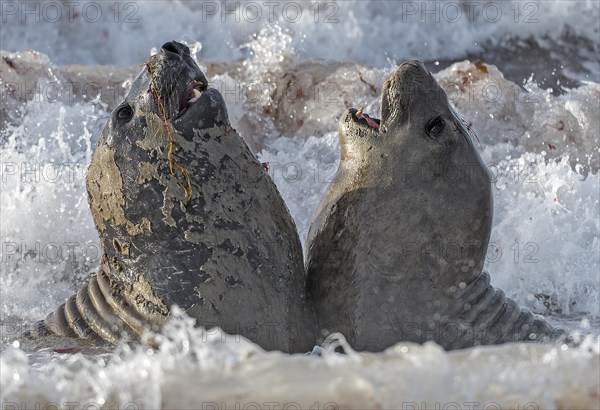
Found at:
<point>396,248</point>
<point>186,216</point>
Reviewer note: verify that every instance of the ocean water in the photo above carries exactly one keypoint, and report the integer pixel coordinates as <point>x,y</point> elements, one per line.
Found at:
<point>525,74</point>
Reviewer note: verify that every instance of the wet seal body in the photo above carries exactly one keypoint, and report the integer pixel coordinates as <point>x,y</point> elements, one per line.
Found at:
<point>396,248</point>
<point>186,216</point>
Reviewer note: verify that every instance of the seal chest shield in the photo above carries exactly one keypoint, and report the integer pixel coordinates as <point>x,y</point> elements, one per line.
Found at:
<point>396,248</point>
<point>186,216</point>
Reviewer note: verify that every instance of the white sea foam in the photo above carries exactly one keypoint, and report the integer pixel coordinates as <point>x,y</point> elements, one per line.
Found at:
<point>210,370</point>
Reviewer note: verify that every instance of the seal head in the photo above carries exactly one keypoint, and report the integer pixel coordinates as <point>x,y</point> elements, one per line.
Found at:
<point>398,243</point>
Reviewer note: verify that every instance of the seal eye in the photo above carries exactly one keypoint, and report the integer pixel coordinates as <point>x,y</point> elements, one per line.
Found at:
<point>124,113</point>
<point>435,127</point>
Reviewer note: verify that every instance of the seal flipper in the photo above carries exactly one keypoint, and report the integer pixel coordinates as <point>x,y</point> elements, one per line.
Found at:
<point>56,323</point>
<point>77,322</point>
<point>499,319</point>
<point>94,314</point>
<point>522,328</point>
<point>99,315</point>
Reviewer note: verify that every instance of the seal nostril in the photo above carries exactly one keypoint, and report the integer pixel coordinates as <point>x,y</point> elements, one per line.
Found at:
<point>174,49</point>
<point>171,48</point>
<point>413,66</point>
<point>412,63</point>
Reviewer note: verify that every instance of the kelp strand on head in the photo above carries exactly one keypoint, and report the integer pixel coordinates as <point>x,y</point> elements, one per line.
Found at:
<point>186,185</point>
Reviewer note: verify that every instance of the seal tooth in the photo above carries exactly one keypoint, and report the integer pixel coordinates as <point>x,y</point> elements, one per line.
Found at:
<point>359,113</point>
<point>76,321</point>
<point>196,94</point>
<point>57,323</point>
<point>123,310</point>
<point>114,324</point>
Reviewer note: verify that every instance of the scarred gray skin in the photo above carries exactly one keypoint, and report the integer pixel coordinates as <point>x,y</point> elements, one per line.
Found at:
<point>396,248</point>
<point>227,253</point>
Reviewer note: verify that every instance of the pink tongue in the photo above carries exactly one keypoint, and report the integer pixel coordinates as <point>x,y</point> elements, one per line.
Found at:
<point>370,121</point>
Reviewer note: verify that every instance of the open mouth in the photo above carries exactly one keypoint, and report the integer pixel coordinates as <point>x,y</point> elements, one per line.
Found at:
<point>193,92</point>
<point>363,118</point>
